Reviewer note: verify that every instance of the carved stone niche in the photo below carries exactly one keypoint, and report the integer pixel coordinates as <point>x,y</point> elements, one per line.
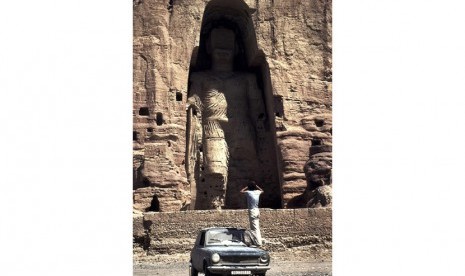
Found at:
<point>231,135</point>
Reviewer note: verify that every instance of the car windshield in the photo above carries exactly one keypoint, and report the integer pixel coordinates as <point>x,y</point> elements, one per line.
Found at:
<point>228,237</point>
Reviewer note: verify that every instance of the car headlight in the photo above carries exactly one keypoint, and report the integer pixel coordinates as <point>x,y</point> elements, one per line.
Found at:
<point>264,258</point>
<point>215,257</point>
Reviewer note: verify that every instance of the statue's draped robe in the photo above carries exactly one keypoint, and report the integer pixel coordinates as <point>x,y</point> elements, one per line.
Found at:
<point>225,110</point>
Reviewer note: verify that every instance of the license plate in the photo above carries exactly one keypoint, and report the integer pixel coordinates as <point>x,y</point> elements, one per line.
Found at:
<point>243,272</point>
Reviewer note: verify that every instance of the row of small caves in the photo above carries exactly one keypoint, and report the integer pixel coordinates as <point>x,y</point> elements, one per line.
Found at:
<point>145,112</point>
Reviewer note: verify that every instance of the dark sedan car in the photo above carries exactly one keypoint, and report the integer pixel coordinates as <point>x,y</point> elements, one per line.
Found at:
<point>228,251</point>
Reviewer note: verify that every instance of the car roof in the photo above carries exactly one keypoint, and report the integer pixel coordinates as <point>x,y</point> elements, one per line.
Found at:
<point>231,228</point>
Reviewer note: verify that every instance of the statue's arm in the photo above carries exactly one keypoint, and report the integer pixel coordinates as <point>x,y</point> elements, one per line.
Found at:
<point>194,92</point>
<point>193,108</point>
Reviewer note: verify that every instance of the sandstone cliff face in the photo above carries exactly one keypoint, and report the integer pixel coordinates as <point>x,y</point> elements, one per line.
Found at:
<point>295,37</point>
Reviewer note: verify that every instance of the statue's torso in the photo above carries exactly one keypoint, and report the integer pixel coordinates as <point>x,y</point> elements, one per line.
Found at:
<point>225,103</point>
<point>224,98</point>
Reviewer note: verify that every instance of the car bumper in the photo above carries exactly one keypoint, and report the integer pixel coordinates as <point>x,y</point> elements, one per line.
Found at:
<point>226,268</point>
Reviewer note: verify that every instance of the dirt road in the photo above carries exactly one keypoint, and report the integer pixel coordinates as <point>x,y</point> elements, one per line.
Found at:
<point>281,268</point>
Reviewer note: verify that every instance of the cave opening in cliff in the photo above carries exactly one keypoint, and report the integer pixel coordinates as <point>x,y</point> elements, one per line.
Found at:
<point>316,142</point>
<point>250,131</point>
<point>135,136</point>
<point>146,182</point>
<point>319,122</point>
<point>178,96</point>
<point>144,111</point>
<point>154,205</point>
<point>159,119</point>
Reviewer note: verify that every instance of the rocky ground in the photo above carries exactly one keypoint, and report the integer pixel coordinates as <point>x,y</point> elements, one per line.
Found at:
<point>282,264</point>
<point>281,268</point>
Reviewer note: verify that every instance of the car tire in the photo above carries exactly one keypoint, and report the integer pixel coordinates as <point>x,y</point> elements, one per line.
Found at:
<point>193,271</point>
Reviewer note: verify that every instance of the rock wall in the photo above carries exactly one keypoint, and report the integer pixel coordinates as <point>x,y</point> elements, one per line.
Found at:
<point>285,230</point>
<point>295,37</point>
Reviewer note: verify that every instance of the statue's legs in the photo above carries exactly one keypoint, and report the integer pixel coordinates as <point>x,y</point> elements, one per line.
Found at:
<point>216,191</point>
<point>215,172</point>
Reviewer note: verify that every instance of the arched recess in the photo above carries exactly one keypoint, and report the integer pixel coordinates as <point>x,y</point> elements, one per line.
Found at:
<point>236,15</point>
<point>154,205</point>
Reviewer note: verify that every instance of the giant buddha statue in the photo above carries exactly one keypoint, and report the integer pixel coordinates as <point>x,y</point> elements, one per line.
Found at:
<point>225,118</point>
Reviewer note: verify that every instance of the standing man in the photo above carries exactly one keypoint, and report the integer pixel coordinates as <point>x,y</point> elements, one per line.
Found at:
<point>252,192</point>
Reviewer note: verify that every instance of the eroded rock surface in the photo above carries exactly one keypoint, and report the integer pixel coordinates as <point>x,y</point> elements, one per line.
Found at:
<point>293,37</point>
<point>318,171</point>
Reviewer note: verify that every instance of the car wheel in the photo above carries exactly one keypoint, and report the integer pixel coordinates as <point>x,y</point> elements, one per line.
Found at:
<point>205,270</point>
<point>193,271</point>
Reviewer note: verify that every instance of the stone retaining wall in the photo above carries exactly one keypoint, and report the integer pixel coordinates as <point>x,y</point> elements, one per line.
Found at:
<point>307,231</point>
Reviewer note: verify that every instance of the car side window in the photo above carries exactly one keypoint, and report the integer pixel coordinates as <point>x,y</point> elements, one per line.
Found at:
<point>202,239</point>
